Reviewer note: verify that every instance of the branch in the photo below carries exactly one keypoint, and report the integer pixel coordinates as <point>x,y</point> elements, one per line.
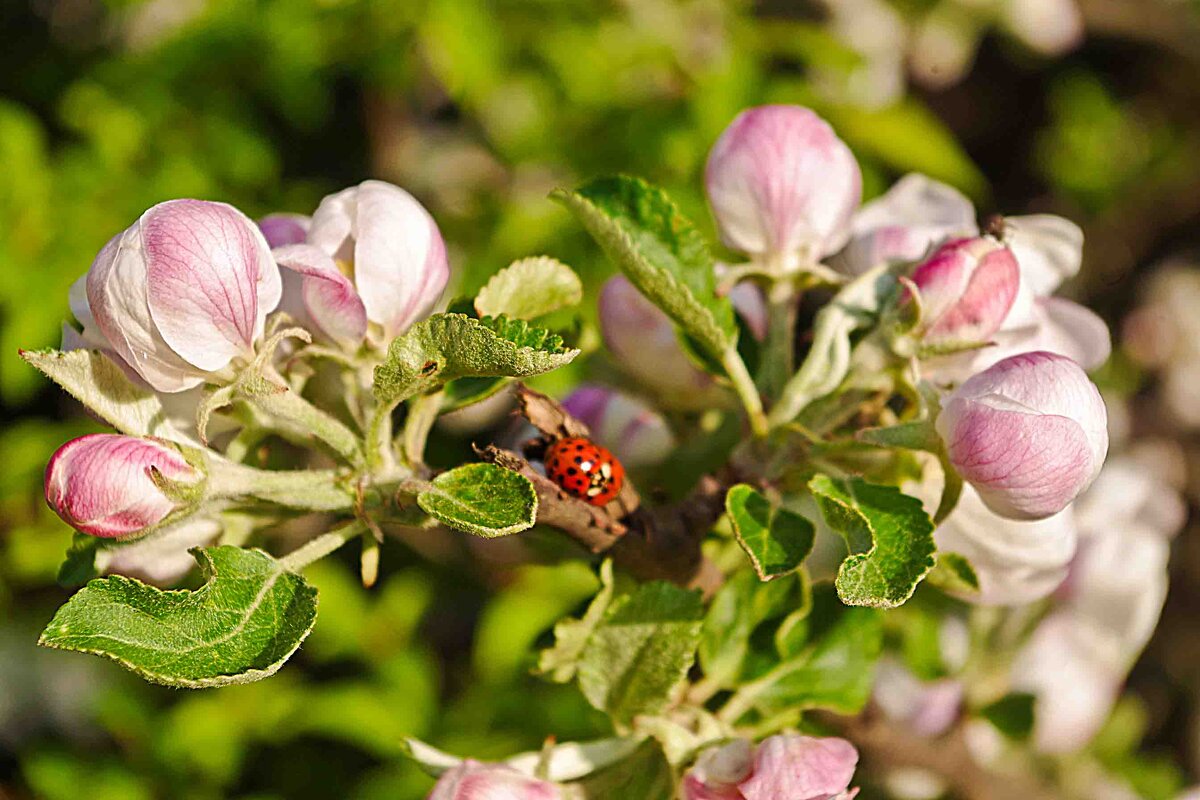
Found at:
<point>652,544</point>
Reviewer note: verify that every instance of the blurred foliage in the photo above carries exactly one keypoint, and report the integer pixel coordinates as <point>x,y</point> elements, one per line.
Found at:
<point>480,107</point>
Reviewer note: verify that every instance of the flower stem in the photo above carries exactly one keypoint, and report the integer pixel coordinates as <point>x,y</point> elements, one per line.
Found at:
<point>779,352</point>
<point>300,417</point>
<point>313,490</point>
<point>747,392</point>
<point>323,545</point>
<point>423,411</point>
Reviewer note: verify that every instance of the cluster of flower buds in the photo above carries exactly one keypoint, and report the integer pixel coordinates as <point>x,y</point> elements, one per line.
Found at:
<point>180,299</point>
<point>785,765</point>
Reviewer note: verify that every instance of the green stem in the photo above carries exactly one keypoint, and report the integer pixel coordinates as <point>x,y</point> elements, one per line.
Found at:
<point>297,416</point>
<point>779,352</point>
<point>423,411</point>
<point>747,392</point>
<point>379,437</point>
<point>321,546</point>
<point>312,490</point>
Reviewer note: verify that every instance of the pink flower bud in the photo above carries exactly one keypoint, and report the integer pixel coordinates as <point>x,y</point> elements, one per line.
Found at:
<point>319,296</point>
<point>389,246</point>
<point>1029,433</point>
<point>967,288</point>
<point>643,342</point>
<point>635,432</point>
<point>902,224</point>
<point>101,484</point>
<point>782,184</point>
<point>183,291</point>
<point>284,229</point>
<point>785,765</point>
<point>472,780</point>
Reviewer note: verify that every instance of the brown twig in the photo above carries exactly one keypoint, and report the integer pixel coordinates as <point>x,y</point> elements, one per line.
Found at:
<point>660,543</point>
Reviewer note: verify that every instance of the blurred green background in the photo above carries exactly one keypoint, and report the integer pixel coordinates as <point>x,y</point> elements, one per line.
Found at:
<point>480,108</point>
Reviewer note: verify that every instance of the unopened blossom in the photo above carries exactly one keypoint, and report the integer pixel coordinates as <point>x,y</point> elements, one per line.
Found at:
<point>1029,433</point>
<point>782,186</point>
<point>1016,561</point>
<point>967,288</point>
<point>905,223</point>
<point>182,292</point>
<point>472,780</point>
<point>387,248</point>
<point>785,765</point>
<point>636,433</point>
<point>102,484</point>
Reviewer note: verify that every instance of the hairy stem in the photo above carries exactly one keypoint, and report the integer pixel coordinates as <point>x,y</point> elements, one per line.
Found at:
<point>302,418</point>
<point>312,490</point>
<point>321,546</point>
<point>423,411</point>
<point>747,392</point>
<point>779,354</point>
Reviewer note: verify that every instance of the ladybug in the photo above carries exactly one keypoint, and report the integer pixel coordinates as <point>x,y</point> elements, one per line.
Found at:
<point>585,470</point>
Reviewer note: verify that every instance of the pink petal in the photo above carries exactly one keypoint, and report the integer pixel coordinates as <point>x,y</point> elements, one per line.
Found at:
<point>634,431</point>
<point>329,298</point>
<point>211,279</point>
<point>472,780</point>
<point>800,768</point>
<point>781,182</point>
<point>284,229</point>
<point>1074,331</point>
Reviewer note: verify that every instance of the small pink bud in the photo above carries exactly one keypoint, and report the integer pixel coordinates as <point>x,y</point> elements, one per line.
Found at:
<point>785,765</point>
<point>782,184</point>
<point>391,247</point>
<point>635,432</point>
<point>1029,433</point>
<point>967,288</point>
<point>101,484</point>
<point>284,229</point>
<point>183,291</point>
<point>472,780</point>
<point>319,296</point>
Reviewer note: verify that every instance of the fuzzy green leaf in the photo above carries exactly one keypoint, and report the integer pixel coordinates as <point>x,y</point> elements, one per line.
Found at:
<point>954,573</point>
<point>660,251</point>
<point>776,540</point>
<point>560,662</point>
<point>449,346</point>
<point>741,605</point>
<point>248,618</point>
<point>530,288</point>
<point>95,380</point>
<point>889,535</point>
<point>482,499</point>
<point>641,650</point>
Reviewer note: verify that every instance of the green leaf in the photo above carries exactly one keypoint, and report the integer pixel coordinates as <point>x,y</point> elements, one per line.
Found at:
<point>834,670</point>
<point>889,535</point>
<point>561,661</point>
<point>641,650</point>
<point>954,573</point>
<point>1012,715</point>
<point>776,540</point>
<point>529,288</point>
<point>95,380</point>
<point>660,251</point>
<point>482,499</point>
<point>449,346</point>
<point>910,436</point>
<point>248,618</point>
<point>741,605</point>
<point>645,775</point>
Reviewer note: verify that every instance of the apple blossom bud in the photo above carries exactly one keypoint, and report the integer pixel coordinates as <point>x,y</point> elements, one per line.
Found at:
<point>102,484</point>
<point>967,288</point>
<point>284,229</point>
<point>472,780</point>
<point>635,432</point>
<point>785,765</point>
<point>391,247</point>
<point>319,296</point>
<point>782,184</point>
<point>1029,433</point>
<point>183,291</point>
<point>643,341</point>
